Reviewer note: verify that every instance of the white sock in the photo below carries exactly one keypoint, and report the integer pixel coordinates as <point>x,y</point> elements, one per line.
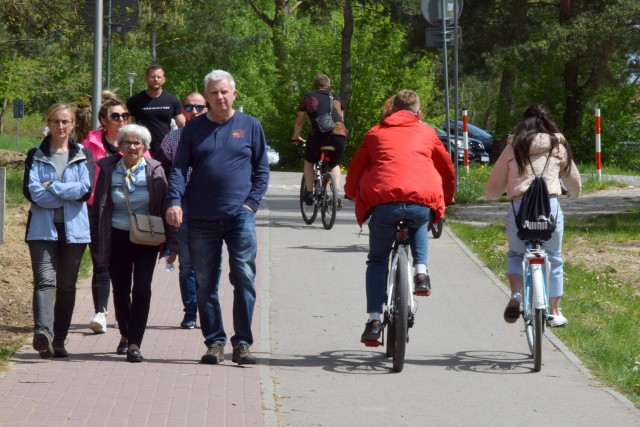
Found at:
<point>421,269</point>
<point>373,316</point>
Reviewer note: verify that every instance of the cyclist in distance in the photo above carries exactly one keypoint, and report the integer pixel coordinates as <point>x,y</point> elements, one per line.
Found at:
<point>315,104</point>
<point>537,138</point>
<point>400,171</point>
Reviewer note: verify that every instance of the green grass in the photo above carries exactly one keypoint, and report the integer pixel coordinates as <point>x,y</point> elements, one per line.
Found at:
<point>24,143</point>
<point>604,311</point>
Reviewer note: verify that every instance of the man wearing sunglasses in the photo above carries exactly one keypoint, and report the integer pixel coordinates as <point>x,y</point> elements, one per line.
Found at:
<point>154,108</point>
<point>193,105</point>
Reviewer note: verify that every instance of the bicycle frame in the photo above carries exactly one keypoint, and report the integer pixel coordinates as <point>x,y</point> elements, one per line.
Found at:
<point>401,243</point>
<point>535,264</point>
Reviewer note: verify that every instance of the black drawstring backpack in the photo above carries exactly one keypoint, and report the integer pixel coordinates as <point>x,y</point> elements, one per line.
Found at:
<point>534,219</point>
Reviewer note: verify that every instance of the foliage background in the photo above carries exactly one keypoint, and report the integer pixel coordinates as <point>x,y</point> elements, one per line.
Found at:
<point>573,56</point>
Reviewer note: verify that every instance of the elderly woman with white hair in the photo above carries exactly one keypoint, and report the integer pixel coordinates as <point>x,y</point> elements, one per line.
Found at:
<point>130,265</point>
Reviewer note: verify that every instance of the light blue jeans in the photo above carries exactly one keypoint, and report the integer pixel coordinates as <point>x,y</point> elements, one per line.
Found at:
<point>553,247</point>
<point>205,244</point>
<point>382,234</point>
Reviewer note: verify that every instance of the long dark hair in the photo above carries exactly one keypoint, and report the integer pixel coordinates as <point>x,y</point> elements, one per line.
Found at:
<point>536,119</point>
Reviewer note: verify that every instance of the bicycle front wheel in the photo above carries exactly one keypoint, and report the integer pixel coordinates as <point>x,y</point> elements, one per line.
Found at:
<point>309,212</point>
<point>328,203</point>
<point>436,229</point>
<point>400,313</point>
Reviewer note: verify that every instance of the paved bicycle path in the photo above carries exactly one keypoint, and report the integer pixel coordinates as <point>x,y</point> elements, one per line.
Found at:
<point>464,364</point>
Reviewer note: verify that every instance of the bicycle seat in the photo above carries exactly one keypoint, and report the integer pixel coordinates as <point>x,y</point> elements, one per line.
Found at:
<point>328,148</point>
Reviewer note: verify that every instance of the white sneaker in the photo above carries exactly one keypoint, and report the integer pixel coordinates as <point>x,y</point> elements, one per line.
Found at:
<point>557,320</point>
<point>98,323</point>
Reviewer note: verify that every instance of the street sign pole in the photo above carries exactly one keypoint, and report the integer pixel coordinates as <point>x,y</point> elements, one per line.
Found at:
<point>455,80</point>
<point>445,61</point>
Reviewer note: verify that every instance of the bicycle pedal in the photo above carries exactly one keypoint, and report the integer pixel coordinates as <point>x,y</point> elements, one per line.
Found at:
<point>372,343</point>
<point>422,294</point>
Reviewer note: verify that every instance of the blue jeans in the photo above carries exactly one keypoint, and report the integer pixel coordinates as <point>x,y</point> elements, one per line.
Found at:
<point>55,265</point>
<point>205,243</point>
<point>187,276</point>
<point>382,234</point>
<point>553,247</point>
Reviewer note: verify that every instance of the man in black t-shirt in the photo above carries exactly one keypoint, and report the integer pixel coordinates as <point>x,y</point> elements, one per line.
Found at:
<point>314,104</point>
<point>154,108</point>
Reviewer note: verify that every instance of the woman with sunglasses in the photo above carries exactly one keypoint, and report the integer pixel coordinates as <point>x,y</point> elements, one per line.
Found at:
<point>58,175</point>
<point>103,142</point>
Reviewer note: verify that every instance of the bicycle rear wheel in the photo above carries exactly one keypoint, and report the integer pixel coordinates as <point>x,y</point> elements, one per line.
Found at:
<point>401,310</point>
<point>328,202</point>
<point>309,212</point>
<point>538,331</point>
<point>533,320</point>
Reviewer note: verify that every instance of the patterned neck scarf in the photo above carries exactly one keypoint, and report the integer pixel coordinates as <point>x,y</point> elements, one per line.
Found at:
<point>130,178</point>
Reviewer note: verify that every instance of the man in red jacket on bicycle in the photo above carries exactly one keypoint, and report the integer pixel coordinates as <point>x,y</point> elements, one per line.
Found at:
<point>401,171</point>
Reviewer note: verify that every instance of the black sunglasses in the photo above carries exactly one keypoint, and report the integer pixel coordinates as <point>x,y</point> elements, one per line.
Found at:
<point>116,116</point>
<point>189,108</point>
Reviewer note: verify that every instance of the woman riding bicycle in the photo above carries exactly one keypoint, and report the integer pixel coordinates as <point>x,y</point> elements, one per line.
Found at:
<point>536,137</point>
<point>401,171</point>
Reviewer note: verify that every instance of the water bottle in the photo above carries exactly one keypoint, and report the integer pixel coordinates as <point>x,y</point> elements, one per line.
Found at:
<point>170,266</point>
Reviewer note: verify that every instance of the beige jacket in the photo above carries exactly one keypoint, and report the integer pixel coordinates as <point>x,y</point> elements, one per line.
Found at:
<point>505,171</point>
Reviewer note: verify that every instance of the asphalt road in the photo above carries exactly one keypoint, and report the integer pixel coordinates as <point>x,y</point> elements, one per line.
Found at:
<point>464,364</point>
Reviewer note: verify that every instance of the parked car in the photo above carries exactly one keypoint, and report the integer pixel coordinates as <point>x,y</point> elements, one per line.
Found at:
<point>476,133</point>
<point>273,156</point>
<point>477,153</point>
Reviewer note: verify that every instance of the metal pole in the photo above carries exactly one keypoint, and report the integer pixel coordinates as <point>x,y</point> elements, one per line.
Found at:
<point>446,85</point>
<point>455,83</point>
<point>97,65</point>
<point>108,70</point>
<point>17,133</point>
<point>598,146</point>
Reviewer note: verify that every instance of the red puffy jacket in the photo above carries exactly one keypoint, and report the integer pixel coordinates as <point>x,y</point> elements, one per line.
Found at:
<point>400,160</point>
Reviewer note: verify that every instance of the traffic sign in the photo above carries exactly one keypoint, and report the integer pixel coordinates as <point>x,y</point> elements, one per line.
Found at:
<point>124,14</point>
<point>433,11</point>
<point>18,108</point>
<point>435,36</point>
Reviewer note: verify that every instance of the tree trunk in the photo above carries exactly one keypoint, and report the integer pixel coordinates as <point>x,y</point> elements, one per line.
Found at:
<point>153,42</point>
<point>504,111</point>
<point>345,68</point>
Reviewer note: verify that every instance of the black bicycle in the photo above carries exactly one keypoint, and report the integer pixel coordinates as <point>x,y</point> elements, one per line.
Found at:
<point>325,198</point>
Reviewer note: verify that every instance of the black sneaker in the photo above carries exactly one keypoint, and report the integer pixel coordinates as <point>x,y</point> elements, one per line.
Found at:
<point>42,344</point>
<point>214,354</point>
<point>372,331</point>
<point>308,197</point>
<point>188,322</point>
<point>242,355</point>
<point>58,347</point>
<point>422,284</point>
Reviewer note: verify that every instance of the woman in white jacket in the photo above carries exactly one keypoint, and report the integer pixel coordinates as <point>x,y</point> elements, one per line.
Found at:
<point>537,138</point>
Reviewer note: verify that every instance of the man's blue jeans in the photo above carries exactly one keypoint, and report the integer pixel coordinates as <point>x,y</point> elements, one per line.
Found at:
<point>382,234</point>
<point>186,275</point>
<point>205,243</point>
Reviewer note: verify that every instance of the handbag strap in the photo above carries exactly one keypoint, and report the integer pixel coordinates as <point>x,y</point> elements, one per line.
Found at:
<point>126,193</point>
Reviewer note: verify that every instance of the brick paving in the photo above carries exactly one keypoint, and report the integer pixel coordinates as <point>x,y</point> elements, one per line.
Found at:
<point>97,387</point>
